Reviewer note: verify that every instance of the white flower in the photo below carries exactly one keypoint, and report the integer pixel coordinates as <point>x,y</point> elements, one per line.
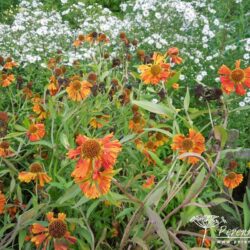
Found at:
<point>64,1</point>
<point>247,99</point>
<point>182,77</point>
<point>242,104</point>
<point>154,101</point>
<point>199,78</point>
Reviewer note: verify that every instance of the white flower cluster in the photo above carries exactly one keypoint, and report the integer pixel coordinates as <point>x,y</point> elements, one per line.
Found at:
<point>246,100</point>
<point>192,26</point>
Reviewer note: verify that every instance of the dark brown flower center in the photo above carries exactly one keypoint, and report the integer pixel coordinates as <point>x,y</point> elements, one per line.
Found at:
<point>36,167</point>
<point>33,129</point>
<point>237,75</point>
<point>231,176</point>
<point>57,228</point>
<point>159,136</point>
<point>187,144</point>
<point>155,69</point>
<point>4,145</point>
<point>91,148</point>
<point>150,145</point>
<point>76,85</point>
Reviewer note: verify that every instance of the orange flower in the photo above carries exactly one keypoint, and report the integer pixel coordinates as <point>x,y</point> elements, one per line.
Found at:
<point>194,142</point>
<point>175,86</point>
<point>94,154</point>
<point>10,65</point>
<point>5,149</point>
<point>199,240</point>
<point>161,139</point>
<point>36,132</point>
<point>149,182</point>
<point>144,148</point>
<point>233,180</point>
<point>78,90</point>
<point>173,54</point>
<point>96,183</point>
<point>56,232</point>
<point>53,86</point>
<point>100,152</point>
<point>155,72</point>
<point>137,123</point>
<point>36,174</point>
<point>99,121</point>
<point>234,80</point>
<point>2,202</point>
<point>6,80</point>
<point>3,124</point>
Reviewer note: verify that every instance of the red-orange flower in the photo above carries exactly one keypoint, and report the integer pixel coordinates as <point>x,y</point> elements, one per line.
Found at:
<point>53,86</point>
<point>235,80</point>
<point>149,182</point>
<point>36,174</point>
<point>173,54</point>
<point>5,149</point>
<point>78,90</point>
<point>36,132</point>
<point>96,182</point>
<point>2,202</point>
<point>155,72</point>
<point>233,180</point>
<point>57,232</point>
<point>194,142</point>
<point>94,168</point>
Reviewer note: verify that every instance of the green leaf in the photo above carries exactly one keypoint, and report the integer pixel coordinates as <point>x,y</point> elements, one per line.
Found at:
<point>21,238</point>
<point>196,185</point>
<point>43,143</point>
<point>123,213</point>
<point>163,131</point>
<point>140,242</point>
<point>155,197</point>
<point>155,108</point>
<point>64,140</point>
<point>221,134</point>
<point>187,100</point>
<point>72,192</point>
<point>82,201</point>
<point>246,209</point>
<point>159,226</point>
<point>92,207</point>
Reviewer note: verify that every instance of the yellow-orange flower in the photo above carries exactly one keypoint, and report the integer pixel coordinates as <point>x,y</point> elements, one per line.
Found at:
<point>78,90</point>
<point>36,174</point>
<point>149,182</point>
<point>235,80</point>
<point>6,80</point>
<point>155,72</point>
<point>99,121</point>
<point>5,149</point>
<point>57,232</point>
<point>194,142</point>
<point>36,132</point>
<point>2,202</point>
<point>233,180</point>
